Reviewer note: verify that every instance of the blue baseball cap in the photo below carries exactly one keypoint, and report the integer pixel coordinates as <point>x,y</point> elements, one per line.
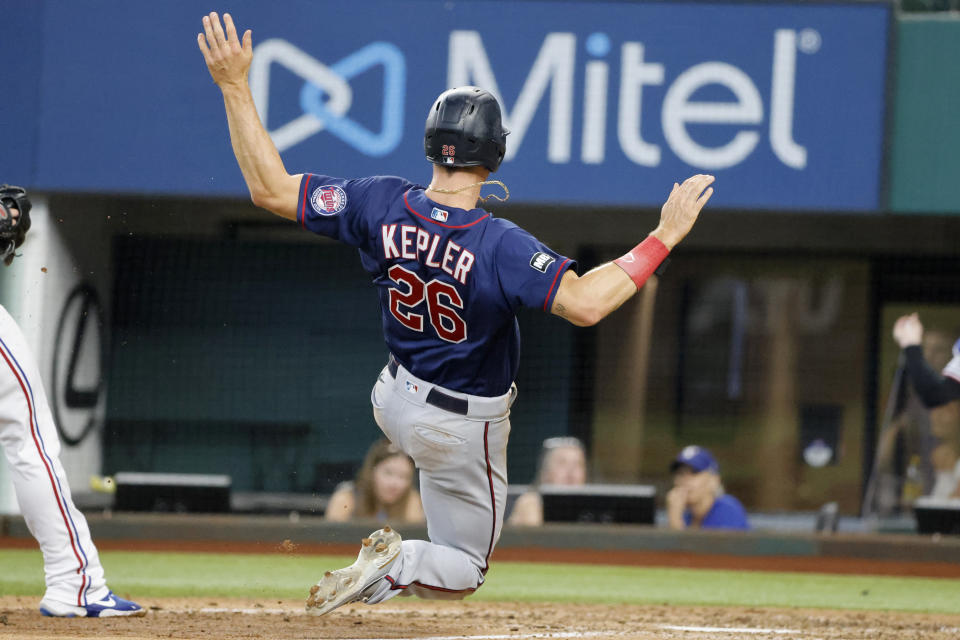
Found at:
<point>697,458</point>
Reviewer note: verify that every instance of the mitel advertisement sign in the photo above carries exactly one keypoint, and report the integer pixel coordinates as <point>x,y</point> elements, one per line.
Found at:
<point>608,103</point>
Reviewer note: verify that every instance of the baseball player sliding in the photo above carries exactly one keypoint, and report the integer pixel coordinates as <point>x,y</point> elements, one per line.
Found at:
<point>74,576</point>
<point>450,278</point>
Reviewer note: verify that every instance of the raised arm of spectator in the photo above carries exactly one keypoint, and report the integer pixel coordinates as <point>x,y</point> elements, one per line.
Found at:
<point>933,388</point>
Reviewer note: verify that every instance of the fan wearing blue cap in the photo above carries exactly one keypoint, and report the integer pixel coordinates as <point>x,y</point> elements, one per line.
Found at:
<point>697,500</point>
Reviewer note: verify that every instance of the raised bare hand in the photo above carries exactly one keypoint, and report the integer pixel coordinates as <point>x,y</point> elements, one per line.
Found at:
<point>228,60</point>
<point>682,208</point>
<point>908,330</point>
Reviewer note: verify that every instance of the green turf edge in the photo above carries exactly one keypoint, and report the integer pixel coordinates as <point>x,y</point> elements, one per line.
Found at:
<point>144,575</point>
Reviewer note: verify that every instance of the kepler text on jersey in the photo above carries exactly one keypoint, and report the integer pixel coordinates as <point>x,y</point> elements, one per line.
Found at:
<point>413,243</point>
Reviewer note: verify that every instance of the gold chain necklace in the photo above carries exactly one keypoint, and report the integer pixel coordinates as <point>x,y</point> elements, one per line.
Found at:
<point>481,183</point>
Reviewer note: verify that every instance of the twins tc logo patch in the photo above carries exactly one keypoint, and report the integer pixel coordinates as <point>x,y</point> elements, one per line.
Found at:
<point>541,261</point>
<point>439,214</point>
<point>328,200</point>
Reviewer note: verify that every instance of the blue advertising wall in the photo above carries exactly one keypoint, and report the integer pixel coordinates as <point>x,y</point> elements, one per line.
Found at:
<point>608,103</point>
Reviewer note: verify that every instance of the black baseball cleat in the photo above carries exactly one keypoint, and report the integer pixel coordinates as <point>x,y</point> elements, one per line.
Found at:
<point>340,587</point>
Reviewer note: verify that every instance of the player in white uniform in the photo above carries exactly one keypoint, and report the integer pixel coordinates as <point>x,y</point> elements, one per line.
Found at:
<point>74,576</point>
<point>451,278</point>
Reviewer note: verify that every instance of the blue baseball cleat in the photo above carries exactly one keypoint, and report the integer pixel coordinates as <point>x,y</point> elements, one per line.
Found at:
<point>109,607</point>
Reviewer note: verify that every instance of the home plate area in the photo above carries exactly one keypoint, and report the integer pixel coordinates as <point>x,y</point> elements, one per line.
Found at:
<point>472,620</point>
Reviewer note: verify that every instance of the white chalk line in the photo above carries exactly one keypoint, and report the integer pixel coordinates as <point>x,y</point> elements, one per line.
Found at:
<point>671,627</point>
<point>511,636</point>
<point>519,636</point>
<point>364,611</point>
<point>254,611</point>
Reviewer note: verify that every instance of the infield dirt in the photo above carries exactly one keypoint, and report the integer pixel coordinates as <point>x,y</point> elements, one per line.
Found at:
<point>228,619</point>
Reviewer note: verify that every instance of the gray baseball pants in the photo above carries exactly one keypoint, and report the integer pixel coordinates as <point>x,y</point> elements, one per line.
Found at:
<point>462,460</point>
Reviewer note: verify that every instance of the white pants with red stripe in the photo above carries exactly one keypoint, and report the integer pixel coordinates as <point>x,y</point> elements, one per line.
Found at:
<point>32,448</point>
<point>463,484</point>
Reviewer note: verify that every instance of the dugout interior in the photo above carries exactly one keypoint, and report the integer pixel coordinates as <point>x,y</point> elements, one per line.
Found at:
<point>237,344</point>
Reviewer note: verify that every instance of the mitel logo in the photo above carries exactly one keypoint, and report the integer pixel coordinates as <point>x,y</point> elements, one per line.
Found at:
<point>554,70</point>
<point>326,96</point>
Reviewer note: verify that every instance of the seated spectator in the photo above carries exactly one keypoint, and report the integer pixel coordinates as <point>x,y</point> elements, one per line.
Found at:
<point>563,461</point>
<point>697,500</point>
<point>383,489</point>
<point>946,466</point>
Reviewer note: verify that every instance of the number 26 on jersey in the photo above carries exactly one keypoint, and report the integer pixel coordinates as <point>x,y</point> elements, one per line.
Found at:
<point>442,302</point>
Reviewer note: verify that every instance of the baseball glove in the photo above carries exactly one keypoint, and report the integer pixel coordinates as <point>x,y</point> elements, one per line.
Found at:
<point>13,230</point>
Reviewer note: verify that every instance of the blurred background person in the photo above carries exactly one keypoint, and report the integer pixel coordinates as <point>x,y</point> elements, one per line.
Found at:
<point>933,388</point>
<point>383,489</point>
<point>697,499</point>
<point>937,392</point>
<point>563,461</point>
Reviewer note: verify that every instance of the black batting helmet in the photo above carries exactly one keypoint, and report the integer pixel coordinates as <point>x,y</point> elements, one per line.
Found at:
<point>464,129</point>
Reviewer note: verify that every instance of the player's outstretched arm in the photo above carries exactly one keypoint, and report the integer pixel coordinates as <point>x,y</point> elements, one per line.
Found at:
<point>228,60</point>
<point>586,300</point>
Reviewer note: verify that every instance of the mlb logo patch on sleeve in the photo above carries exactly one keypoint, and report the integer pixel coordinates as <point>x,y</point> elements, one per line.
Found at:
<point>439,214</point>
<point>328,200</point>
<point>541,261</point>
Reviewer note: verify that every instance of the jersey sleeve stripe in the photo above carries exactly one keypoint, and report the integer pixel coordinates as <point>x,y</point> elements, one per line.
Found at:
<point>446,226</point>
<point>560,269</point>
<point>303,199</point>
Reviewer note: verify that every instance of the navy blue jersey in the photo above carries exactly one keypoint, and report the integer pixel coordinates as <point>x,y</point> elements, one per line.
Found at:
<point>726,513</point>
<point>450,280</point>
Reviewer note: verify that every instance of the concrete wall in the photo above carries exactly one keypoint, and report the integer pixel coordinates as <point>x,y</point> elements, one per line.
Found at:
<point>50,291</point>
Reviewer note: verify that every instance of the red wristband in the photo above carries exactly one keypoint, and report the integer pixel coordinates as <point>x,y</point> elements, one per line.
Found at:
<point>641,261</point>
